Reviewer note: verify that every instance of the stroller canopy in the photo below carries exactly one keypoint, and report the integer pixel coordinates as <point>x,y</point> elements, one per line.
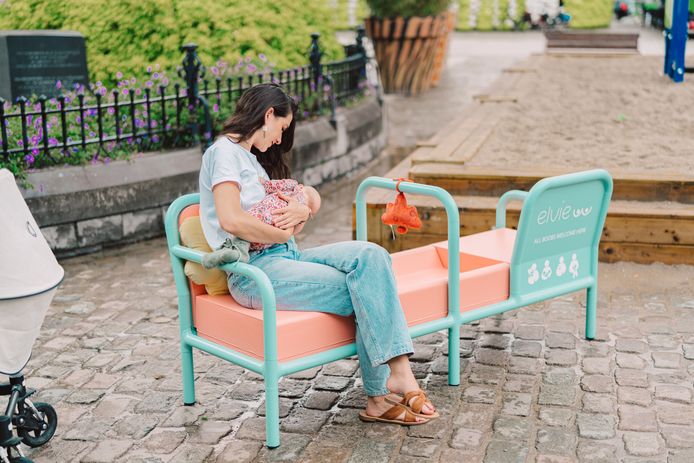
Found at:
<point>27,264</point>
<point>29,276</point>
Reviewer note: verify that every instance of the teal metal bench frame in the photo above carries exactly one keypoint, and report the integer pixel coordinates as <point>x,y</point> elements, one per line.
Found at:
<point>272,370</point>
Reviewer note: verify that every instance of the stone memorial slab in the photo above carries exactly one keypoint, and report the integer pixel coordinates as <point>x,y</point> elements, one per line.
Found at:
<point>31,61</point>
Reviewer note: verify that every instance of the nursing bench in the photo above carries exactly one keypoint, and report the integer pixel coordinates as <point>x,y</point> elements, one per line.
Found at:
<point>441,285</point>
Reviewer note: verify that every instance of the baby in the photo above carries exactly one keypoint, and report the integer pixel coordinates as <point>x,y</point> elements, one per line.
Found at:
<point>237,249</point>
<point>271,202</point>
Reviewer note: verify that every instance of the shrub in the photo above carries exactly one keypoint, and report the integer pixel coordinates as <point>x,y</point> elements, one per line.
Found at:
<point>386,8</point>
<point>129,35</point>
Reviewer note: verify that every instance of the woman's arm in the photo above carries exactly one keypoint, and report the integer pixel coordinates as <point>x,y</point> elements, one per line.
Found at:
<point>233,219</point>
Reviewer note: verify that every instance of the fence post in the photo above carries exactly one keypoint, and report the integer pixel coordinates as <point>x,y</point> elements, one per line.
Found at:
<point>314,57</point>
<point>192,71</point>
<point>361,33</point>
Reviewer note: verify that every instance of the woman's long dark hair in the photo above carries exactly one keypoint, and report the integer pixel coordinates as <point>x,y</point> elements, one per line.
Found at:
<point>249,116</point>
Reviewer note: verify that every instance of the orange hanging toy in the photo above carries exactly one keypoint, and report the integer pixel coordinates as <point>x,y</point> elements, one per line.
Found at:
<point>401,215</point>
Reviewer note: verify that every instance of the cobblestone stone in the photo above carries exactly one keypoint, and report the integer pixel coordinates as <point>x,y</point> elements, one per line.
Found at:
<point>598,403</point>
<point>560,341</point>
<point>372,451</point>
<point>597,383</point>
<point>667,359</point>
<point>591,451</point>
<point>557,416</point>
<point>495,341</point>
<point>477,394</point>
<point>520,383</point>
<point>556,441</point>
<point>500,451</point>
<point>530,332</point>
<point>516,404</point>
<point>238,451</point>
<point>524,366</point>
<point>678,436</point>
<point>331,383</point>
<point>561,358</point>
<point>557,395</point>
<point>322,400</point>
<point>595,426</point>
<point>485,374</point>
<point>524,348</point>
<point>635,418</point>
<point>679,394</point>
<point>492,357</point>
<point>632,361</point>
<point>107,451</point>
<point>632,346</point>
<point>468,439</point>
<point>512,427</point>
<point>641,443</point>
<point>631,378</point>
<point>419,447</point>
<point>634,395</point>
<point>598,366</point>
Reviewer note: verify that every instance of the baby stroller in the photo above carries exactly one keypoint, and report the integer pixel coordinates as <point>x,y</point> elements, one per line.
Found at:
<point>29,277</point>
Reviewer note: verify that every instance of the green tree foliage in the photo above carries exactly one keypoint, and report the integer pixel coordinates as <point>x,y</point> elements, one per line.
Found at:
<point>129,35</point>
<point>386,8</point>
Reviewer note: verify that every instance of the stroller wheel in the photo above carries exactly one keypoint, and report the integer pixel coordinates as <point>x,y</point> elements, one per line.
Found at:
<point>34,436</point>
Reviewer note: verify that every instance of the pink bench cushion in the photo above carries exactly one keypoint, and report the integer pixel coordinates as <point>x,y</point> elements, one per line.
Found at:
<point>422,278</point>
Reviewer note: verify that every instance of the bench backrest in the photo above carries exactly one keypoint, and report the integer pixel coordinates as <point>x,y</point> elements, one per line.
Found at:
<point>559,231</point>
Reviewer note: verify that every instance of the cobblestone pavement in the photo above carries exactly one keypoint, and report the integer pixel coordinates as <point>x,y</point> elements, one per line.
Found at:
<point>532,389</point>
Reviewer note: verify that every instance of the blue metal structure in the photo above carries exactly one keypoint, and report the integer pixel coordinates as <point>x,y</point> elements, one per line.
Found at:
<point>676,18</point>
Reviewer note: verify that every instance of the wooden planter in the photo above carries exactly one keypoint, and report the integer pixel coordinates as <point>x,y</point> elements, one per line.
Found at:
<point>406,50</point>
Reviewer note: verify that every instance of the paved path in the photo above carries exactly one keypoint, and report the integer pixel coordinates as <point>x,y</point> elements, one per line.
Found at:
<point>531,388</point>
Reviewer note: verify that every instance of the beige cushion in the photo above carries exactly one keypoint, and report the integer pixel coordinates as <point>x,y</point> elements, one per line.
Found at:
<point>215,280</point>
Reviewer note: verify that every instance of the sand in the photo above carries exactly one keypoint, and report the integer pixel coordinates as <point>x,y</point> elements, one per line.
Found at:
<point>590,112</point>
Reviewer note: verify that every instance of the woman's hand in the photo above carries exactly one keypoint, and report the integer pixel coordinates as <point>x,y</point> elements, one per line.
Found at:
<point>291,215</point>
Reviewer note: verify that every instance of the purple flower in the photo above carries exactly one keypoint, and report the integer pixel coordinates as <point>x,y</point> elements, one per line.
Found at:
<point>262,57</point>
<point>155,138</point>
<point>29,159</point>
<point>111,110</point>
<point>149,69</point>
<point>138,91</point>
<point>58,84</point>
<point>133,80</point>
<point>248,59</point>
<point>214,70</point>
<point>215,108</point>
<point>155,75</point>
<point>125,92</point>
<point>119,75</point>
<point>149,83</point>
<point>52,141</point>
<point>251,68</point>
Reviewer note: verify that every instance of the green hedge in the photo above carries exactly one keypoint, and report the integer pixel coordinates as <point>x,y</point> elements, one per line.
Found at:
<point>129,35</point>
<point>585,14</point>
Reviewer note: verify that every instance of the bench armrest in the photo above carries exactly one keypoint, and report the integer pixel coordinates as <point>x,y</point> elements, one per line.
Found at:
<point>267,293</point>
<point>503,202</point>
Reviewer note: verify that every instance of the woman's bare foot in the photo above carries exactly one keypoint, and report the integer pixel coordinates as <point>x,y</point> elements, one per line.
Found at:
<point>377,406</point>
<point>402,381</point>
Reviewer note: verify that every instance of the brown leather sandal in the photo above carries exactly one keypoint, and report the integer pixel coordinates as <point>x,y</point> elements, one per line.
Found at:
<point>416,406</point>
<point>390,416</point>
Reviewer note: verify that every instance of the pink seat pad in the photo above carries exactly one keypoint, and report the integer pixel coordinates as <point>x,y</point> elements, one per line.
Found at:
<point>422,280</point>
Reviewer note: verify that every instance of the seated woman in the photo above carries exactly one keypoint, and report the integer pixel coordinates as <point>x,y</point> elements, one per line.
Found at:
<point>346,278</point>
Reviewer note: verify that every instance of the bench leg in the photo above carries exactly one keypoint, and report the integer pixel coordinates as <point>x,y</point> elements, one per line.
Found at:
<point>454,355</point>
<point>187,374</point>
<point>272,412</point>
<point>591,309</point>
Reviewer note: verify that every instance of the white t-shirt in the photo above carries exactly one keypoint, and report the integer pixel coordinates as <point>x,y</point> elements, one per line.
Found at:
<point>226,161</point>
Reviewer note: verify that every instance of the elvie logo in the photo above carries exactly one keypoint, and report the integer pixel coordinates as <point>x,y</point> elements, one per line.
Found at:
<point>561,213</point>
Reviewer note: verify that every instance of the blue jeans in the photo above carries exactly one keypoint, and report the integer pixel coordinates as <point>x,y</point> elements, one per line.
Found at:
<point>346,278</point>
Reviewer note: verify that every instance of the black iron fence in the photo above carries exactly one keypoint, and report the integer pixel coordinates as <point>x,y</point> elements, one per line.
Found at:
<point>73,128</point>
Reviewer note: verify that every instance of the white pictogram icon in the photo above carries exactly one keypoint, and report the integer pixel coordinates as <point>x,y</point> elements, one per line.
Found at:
<point>561,268</point>
<point>546,271</point>
<point>533,274</point>
<point>573,266</point>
